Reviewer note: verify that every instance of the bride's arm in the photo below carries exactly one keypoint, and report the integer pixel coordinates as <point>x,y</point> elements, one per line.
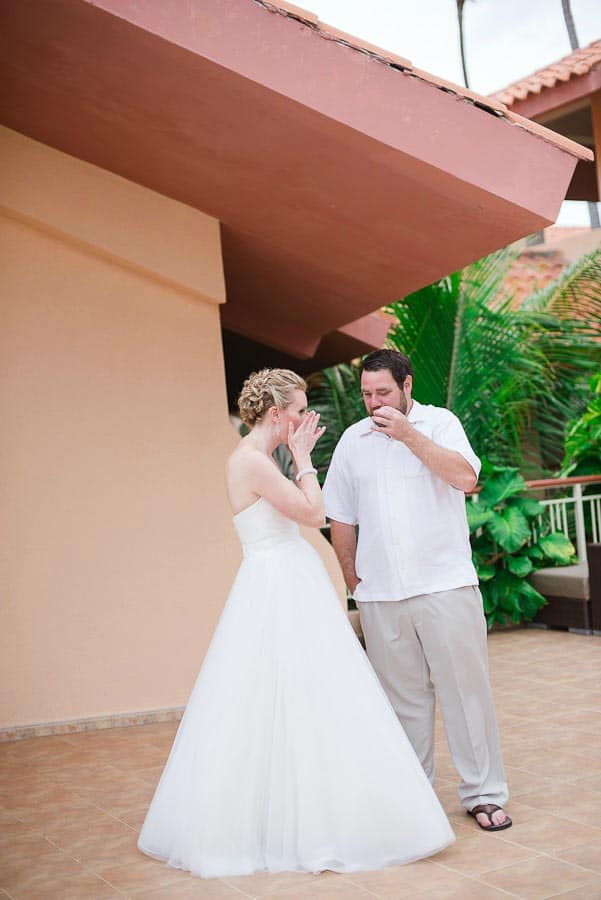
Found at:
<point>305,505</point>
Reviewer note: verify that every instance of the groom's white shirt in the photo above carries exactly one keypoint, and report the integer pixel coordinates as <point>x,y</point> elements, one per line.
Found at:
<point>413,533</point>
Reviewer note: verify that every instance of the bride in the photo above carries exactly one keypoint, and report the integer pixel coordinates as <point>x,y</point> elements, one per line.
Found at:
<point>289,755</point>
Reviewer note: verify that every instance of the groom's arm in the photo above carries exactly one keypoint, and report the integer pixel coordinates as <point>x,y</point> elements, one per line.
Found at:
<point>344,541</point>
<point>449,456</point>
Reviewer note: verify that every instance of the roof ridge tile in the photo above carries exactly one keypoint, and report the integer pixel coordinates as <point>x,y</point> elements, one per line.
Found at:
<point>576,64</point>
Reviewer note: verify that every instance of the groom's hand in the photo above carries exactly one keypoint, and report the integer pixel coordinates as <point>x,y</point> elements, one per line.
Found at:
<point>352,584</point>
<point>392,422</point>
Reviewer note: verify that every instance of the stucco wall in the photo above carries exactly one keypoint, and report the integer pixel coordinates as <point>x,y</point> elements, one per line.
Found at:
<point>117,544</point>
<point>117,547</point>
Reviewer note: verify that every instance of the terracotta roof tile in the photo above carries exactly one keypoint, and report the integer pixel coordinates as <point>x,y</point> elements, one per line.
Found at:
<point>493,104</point>
<point>531,271</point>
<point>576,64</point>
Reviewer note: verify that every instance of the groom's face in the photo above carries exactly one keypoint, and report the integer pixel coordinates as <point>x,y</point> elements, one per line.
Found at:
<point>380,389</point>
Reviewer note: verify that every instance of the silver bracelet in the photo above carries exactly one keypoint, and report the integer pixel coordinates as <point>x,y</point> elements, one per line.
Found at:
<point>308,471</point>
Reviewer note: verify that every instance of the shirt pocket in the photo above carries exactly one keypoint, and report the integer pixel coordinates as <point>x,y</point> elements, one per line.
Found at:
<point>412,466</point>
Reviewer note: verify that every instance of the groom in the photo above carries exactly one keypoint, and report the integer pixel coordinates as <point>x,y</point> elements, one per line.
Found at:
<point>401,475</point>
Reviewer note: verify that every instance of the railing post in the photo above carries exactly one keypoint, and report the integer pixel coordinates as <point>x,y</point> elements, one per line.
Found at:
<point>579,517</point>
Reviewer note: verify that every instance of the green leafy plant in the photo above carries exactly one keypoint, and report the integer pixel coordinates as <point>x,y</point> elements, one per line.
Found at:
<point>515,377</point>
<point>504,553</point>
<point>583,437</point>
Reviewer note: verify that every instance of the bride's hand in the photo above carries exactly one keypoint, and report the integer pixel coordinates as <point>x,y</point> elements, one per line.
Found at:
<point>302,441</point>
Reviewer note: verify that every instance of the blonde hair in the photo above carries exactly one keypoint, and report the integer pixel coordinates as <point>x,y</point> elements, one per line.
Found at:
<point>267,388</point>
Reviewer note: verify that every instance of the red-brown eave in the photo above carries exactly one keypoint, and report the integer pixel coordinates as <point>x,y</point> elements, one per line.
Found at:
<point>495,103</point>
<point>343,177</point>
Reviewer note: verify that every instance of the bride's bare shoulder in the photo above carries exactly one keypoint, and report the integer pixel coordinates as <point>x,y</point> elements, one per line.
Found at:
<point>244,458</point>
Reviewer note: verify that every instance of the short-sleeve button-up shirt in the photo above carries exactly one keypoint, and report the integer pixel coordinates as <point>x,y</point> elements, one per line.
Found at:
<point>413,532</point>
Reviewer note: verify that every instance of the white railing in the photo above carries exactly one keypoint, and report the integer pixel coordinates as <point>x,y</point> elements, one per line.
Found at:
<point>577,516</point>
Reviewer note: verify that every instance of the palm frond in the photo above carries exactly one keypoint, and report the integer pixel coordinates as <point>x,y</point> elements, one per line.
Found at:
<point>425,319</point>
<point>575,295</point>
<point>515,377</point>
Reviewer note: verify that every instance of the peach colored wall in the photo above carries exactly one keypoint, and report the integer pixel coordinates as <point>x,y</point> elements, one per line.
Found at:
<point>117,543</point>
<point>118,547</point>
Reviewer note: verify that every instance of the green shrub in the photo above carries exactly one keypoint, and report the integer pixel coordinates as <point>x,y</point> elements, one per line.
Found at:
<point>504,553</point>
<point>583,437</point>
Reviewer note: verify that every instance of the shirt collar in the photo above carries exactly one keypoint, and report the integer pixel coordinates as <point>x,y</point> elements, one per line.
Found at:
<point>417,413</point>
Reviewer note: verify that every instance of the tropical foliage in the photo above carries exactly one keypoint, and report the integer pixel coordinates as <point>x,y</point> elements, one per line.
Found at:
<point>515,377</point>
<point>583,437</point>
<point>500,522</point>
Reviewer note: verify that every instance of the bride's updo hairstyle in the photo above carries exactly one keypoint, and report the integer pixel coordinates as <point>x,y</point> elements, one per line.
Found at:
<point>267,388</point>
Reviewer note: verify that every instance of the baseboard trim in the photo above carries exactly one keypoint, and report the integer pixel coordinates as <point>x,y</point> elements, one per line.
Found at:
<point>95,723</point>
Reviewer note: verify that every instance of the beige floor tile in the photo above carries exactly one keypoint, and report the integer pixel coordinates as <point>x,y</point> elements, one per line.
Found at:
<point>89,792</point>
<point>193,889</point>
<point>100,778</point>
<point>150,758</point>
<point>77,887</point>
<point>46,817</point>
<point>63,829</point>
<point>582,812</point>
<point>406,881</point>
<point>151,776</point>
<point>462,826</point>
<point>119,800</point>
<point>562,765</point>
<point>133,817</point>
<point>16,874</point>
<point>522,782</point>
<point>73,838</point>
<point>262,884</point>
<point>586,855</point>
<point>10,828</point>
<point>538,878</point>
<point>113,849</point>
<point>577,719</point>
<point>589,891</point>
<point>554,800</point>
<point>552,833</point>
<point>337,890</point>
<point>459,887</point>
<point>482,853</point>
<point>140,875</point>
<point>24,847</point>
<point>587,782</point>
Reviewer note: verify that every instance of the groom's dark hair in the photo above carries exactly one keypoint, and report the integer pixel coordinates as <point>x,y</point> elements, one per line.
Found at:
<point>397,364</point>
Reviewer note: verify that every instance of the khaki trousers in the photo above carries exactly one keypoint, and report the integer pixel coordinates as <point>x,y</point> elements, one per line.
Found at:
<point>437,643</point>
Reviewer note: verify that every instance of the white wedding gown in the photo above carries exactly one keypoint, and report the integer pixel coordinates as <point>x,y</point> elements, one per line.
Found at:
<point>289,755</point>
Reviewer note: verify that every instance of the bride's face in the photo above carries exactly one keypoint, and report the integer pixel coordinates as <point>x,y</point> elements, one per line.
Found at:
<point>295,412</point>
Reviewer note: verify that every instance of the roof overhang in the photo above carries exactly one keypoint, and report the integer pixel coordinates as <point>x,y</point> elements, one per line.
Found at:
<point>567,100</point>
<point>343,177</point>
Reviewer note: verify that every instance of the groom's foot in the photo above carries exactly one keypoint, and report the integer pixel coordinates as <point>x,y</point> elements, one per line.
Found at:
<point>490,817</point>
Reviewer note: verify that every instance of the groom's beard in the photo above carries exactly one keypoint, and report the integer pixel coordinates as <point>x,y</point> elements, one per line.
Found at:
<point>403,405</point>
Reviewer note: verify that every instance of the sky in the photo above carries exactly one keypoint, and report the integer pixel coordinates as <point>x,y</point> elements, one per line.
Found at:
<point>505,40</point>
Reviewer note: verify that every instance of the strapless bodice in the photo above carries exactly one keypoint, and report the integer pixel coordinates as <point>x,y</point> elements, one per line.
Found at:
<point>261,527</point>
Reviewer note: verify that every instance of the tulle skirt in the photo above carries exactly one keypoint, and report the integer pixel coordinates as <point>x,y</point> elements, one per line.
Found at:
<point>289,755</point>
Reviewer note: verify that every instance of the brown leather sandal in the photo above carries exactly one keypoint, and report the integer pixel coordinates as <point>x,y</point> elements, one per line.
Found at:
<point>488,809</point>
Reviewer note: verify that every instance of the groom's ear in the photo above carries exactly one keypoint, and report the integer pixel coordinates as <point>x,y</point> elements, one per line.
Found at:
<point>408,383</point>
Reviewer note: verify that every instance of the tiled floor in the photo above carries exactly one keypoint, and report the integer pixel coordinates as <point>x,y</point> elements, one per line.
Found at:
<point>71,806</point>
